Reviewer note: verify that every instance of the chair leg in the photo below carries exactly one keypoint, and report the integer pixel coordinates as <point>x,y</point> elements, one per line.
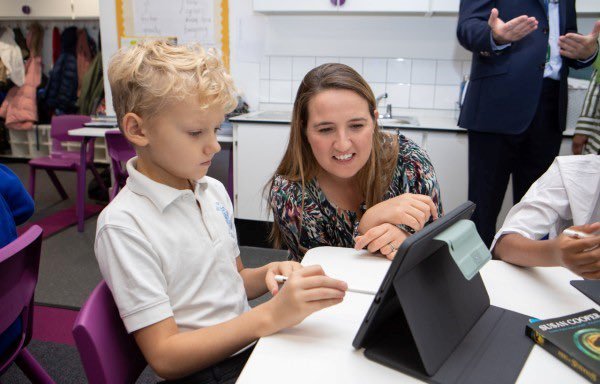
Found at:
<point>98,178</point>
<point>80,207</point>
<point>32,369</point>
<point>32,181</point>
<point>57,184</point>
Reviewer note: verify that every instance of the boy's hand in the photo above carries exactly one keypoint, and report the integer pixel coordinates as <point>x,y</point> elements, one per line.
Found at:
<point>385,238</point>
<point>307,290</point>
<point>582,256</point>
<point>283,268</point>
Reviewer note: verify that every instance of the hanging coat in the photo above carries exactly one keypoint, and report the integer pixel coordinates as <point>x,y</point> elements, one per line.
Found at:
<point>19,108</point>
<point>61,92</point>
<point>11,56</point>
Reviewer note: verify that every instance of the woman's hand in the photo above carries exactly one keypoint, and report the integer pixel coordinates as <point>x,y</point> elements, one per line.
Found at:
<point>385,238</point>
<point>409,209</point>
<point>284,268</point>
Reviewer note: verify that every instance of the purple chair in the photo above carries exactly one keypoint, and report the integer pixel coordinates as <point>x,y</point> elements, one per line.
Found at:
<point>63,160</point>
<point>19,265</point>
<point>109,354</point>
<point>119,151</point>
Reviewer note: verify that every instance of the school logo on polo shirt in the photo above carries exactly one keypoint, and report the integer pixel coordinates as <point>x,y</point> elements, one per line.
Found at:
<point>227,218</point>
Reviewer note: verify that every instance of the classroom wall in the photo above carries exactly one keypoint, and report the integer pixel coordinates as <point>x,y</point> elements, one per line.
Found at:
<point>253,37</point>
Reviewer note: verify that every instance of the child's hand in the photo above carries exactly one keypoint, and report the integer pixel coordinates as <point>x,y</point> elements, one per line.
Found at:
<point>384,238</point>
<point>581,256</point>
<point>307,290</point>
<point>283,268</point>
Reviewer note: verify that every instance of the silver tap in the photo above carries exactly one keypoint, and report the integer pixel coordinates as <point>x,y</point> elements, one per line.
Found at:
<point>378,98</point>
<point>388,107</point>
<point>388,112</point>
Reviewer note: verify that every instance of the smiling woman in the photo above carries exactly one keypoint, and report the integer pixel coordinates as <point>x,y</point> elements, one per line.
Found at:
<point>342,181</point>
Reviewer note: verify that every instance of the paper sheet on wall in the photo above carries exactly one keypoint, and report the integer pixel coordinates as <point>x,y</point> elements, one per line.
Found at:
<point>189,21</point>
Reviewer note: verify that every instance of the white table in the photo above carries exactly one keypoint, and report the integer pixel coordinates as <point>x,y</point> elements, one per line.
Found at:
<point>93,133</point>
<point>99,132</point>
<point>319,350</point>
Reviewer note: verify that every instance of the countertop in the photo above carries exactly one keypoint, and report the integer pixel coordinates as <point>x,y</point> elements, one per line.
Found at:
<point>424,123</point>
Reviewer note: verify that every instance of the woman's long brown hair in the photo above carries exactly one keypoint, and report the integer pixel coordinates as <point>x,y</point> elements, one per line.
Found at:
<point>299,164</point>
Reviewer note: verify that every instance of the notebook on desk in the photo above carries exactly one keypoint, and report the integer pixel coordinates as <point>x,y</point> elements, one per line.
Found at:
<point>360,269</point>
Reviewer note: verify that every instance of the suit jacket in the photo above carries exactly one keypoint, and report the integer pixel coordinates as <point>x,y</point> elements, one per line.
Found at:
<point>505,86</point>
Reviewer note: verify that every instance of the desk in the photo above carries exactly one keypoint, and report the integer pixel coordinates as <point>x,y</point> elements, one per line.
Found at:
<point>319,350</point>
<point>92,133</point>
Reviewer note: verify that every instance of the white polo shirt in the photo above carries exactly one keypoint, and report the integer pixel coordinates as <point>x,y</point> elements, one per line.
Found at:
<point>162,255</point>
<point>567,194</point>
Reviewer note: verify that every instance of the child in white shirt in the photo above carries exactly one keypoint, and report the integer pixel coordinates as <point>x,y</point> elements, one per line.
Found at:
<point>167,245</point>
<point>566,196</point>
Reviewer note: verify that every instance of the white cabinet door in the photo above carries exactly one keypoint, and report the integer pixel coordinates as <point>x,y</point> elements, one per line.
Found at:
<point>86,8</point>
<point>448,152</point>
<point>447,6</point>
<point>258,150</point>
<point>38,9</point>
<point>588,6</point>
<point>291,6</point>
<point>383,6</point>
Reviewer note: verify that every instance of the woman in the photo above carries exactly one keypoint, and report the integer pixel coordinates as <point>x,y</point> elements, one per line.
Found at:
<point>342,182</point>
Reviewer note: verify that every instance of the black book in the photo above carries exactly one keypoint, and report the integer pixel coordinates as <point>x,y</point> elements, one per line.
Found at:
<point>573,339</point>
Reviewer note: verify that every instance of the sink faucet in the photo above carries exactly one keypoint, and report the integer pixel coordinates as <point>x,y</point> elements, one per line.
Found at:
<point>388,107</point>
<point>378,98</point>
<point>388,112</point>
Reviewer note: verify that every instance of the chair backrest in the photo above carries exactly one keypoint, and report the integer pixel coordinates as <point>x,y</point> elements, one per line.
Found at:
<point>108,353</point>
<point>119,150</point>
<point>60,126</point>
<point>19,266</point>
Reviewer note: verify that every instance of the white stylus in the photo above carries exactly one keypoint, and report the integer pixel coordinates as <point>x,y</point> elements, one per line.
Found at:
<point>282,279</point>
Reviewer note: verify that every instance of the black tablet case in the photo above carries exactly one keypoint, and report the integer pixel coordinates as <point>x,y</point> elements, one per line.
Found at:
<point>590,288</point>
<point>439,327</point>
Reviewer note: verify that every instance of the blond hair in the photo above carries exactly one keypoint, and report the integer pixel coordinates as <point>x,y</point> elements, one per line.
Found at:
<point>299,163</point>
<point>146,78</point>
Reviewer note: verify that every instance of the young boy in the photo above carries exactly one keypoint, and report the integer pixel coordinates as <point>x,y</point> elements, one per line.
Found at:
<point>167,245</point>
<point>566,196</point>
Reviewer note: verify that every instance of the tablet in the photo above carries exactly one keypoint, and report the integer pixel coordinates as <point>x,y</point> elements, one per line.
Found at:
<point>408,255</point>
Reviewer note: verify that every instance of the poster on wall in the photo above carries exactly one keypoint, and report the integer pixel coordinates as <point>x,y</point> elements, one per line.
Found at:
<point>183,21</point>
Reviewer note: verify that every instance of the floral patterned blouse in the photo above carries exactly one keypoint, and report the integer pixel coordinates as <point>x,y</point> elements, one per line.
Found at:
<point>323,224</point>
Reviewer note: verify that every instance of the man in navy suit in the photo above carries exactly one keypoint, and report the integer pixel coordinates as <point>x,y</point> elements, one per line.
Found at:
<point>515,106</point>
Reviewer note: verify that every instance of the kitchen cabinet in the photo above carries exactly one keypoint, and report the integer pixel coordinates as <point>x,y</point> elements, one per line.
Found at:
<point>445,6</point>
<point>258,150</point>
<point>39,9</point>
<point>449,152</point>
<point>86,9</point>
<point>383,6</point>
<point>341,6</point>
<point>588,6</point>
<point>287,6</point>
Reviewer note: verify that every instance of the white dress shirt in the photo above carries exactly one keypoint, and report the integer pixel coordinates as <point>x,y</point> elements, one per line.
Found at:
<point>567,194</point>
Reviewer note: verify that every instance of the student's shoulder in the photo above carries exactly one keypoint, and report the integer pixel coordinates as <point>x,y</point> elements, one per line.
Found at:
<point>577,164</point>
<point>126,211</point>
